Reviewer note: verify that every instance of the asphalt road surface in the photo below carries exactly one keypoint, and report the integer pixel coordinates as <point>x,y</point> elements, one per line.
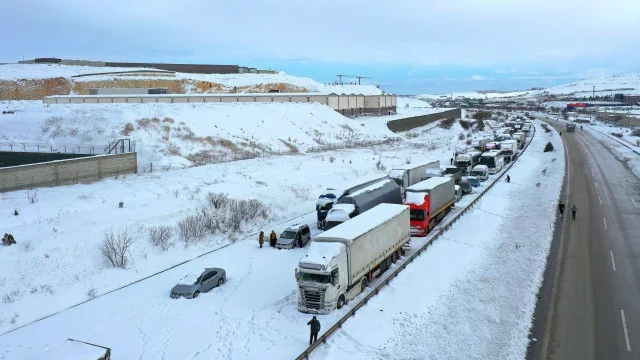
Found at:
<point>596,310</point>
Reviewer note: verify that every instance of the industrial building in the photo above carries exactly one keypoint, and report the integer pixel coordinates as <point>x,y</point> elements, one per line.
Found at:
<point>345,104</point>
<point>129,91</point>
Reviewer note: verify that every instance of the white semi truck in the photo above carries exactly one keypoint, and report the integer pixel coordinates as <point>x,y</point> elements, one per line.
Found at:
<point>407,175</point>
<point>341,261</point>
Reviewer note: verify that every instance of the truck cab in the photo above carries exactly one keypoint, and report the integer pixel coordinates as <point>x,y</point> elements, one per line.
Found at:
<point>320,277</point>
<point>338,214</point>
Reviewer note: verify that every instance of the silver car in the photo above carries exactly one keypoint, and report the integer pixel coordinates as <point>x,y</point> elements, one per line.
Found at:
<point>191,285</point>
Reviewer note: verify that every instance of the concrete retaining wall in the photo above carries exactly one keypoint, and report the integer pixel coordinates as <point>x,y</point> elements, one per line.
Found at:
<point>63,172</point>
<point>183,68</point>
<point>16,158</point>
<point>422,120</point>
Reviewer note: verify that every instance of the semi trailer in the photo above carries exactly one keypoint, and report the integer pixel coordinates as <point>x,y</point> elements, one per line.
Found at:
<point>429,201</point>
<point>341,261</point>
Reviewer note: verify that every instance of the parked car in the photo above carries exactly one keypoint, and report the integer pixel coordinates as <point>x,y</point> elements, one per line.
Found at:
<point>191,285</point>
<point>472,180</point>
<point>294,236</point>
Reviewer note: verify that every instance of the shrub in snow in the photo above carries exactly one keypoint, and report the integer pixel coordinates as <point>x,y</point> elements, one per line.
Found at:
<point>380,166</point>
<point>193,228</point>
<point>128,129</point>
<point>482,115</point>
<point>332,158</point>
<point>618,135</point>
<point>465,124</point>
<point>447,123</point>
<point>92,293</point>
<point>461,136</point>
<point>114,248</point>
<point>548,147</point>
<point>160,236</point>
<point>10,297</point>
<point>218,200</point>
<point>32,196</point>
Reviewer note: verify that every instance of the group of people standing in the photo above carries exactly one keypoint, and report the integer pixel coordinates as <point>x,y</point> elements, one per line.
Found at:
<point>574,210</point>
<point>273,238</point>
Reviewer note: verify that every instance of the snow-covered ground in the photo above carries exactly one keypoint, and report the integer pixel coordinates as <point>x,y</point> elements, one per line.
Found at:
<point>173,134</point>
<point>252,316</point>
<point>14,72</point>
<point>472,294</point>
<point>604,85</point>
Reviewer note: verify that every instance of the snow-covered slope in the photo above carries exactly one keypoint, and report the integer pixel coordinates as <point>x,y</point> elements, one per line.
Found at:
<point>223,82</point>
<point>178,133</point>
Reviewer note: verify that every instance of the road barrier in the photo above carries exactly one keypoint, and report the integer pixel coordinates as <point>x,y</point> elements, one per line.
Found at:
<point>323,338</point>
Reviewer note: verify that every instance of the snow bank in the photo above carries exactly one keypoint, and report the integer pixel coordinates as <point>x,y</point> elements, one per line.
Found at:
<point>472,295</point>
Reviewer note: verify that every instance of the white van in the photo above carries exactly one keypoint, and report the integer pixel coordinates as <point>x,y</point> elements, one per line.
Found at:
<point>481,172</point>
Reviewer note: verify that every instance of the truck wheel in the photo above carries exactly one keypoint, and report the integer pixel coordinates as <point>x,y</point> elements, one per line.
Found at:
<point>195,294</point>
<point>394,257</point>
<point>363,285</point>
<point>340,301</point>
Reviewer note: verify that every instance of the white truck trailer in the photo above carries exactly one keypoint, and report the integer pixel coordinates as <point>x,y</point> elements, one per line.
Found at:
<point>342,260</point>
<point>407,175</point>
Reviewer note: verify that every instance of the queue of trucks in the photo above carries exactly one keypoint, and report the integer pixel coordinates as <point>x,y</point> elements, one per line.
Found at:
<point>367,225</point>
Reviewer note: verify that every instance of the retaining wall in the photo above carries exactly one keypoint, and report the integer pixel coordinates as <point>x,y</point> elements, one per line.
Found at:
<point>422,120</point>
<point>63,172</point>
<point>183,68</point>
<point>16,158</point>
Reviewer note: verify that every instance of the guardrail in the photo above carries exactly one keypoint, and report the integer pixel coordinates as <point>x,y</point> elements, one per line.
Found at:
<point>323,338</point>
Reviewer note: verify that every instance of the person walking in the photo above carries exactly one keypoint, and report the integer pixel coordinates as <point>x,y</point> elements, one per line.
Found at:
<point>315,329</point>
<point>261,239</point>
<point>451,161</point>
<point>561,208</point>
<point>508,179</point>
<point>574,209</point>
<point>273,238</point>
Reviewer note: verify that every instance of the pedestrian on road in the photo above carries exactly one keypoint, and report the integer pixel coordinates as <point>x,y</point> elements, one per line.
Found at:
<point>561,208</point>
<point>508,179</point>
<point>560,133</point>
<point>273,238</point>
<point>315,329</point>
<point>261,239</point>
<point>573,211</point>
<point>451,161</point>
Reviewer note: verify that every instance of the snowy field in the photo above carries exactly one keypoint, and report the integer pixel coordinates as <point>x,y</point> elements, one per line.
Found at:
<point>252,316</point>
<point>472,294</point>
<point>179,134</point>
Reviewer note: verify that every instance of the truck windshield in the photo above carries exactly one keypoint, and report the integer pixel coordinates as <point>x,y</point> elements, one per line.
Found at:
<point>477,173</point>
<point>463,163</point>
<point>489,161</point>
<point>317,278</point>
<point>398,181</point>
<point>416,215</point>
<point>325,207</point>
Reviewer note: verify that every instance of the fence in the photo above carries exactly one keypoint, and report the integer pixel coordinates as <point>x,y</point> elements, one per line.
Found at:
<point>70,171</point>
<point>421,120</point>
<point>323,338</point>
<point>58,148</point>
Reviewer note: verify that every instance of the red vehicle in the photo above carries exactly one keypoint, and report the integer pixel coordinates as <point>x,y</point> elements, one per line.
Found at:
<point>429,201</point>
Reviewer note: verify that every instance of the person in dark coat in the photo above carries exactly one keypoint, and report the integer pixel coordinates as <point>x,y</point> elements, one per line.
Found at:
<point>261,239</point>
<point>508,179</point>
<point>315,329</point>
<point>561,208</point>
<point>8,240</point>
<point>273,238</point>
<point>574,209</point>
<point>451,161</point>
<point>299,239</point>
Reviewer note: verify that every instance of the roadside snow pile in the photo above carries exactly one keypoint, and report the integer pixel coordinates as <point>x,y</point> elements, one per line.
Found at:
<point>472,294</point>
<point>185,134</point>
<point>404,102</point>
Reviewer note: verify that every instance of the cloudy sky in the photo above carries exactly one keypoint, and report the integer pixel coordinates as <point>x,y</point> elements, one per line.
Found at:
<point>406,46</point>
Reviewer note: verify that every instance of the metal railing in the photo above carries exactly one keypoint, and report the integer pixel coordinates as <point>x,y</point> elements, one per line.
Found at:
<point>323,338</point>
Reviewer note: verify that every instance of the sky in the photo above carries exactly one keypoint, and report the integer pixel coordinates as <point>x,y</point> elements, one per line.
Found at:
<point>405,46</point>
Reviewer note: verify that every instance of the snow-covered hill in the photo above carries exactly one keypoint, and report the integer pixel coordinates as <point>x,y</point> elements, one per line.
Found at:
<point>604,85</point>
<point>25,74</point>
<point>184,134</point>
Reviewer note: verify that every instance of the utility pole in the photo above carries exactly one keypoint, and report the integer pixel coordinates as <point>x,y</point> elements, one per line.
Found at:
<point>340,79</point>
<point>594,92</point>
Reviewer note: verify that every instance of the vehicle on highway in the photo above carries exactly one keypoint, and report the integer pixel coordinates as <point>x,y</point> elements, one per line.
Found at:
<point>332,195</point>
<point>520,137</point>
<point>191,285</point>
<point>430,201</point>
<point>467,161</point>
<point>294,236</point>
<point>493,160</point>
<point>480,172</point>
<point>480,144</point>
<point>356,203</point>
<point>466,187</point>
<point>509,149</point>
<point>458,192</point>
<point>407,175</point>
<point>471,180</point>
<point>341,260</point>
<point>571,127</point>
<point>503,137</point>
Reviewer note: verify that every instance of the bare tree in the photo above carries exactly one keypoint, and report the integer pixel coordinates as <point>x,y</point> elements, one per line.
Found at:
<point>115,248</point>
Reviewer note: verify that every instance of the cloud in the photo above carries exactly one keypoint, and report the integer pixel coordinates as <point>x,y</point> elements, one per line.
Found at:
<point>478,78</point>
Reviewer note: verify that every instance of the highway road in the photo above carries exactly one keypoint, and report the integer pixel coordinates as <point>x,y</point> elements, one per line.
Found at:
<point>596,307</point>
